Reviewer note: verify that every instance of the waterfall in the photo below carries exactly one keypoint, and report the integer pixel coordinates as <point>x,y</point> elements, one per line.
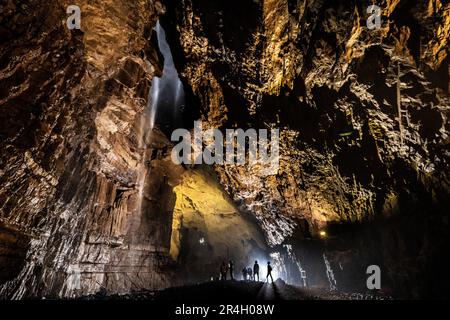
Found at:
<point>154,99</point>
<point>165,103</point>
<point>330,274</point>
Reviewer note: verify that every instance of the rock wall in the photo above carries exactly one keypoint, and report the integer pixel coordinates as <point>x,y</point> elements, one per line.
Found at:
<point>363,118</point>
<point>72,150</point>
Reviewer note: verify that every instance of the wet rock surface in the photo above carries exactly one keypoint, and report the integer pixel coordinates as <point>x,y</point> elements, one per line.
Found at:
<point>71,106</point>
<point>363,121</point>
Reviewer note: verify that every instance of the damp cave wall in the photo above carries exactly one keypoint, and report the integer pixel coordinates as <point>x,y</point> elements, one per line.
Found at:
<point>377,185</point>
<point>71,103</point>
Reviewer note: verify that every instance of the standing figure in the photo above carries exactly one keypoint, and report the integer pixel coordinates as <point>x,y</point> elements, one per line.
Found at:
<point>231,267</point>
<point>250,273</point>
<point>244,273</point>
<point>223,271</point>
<point>269,272</point>
<point>256,270</point>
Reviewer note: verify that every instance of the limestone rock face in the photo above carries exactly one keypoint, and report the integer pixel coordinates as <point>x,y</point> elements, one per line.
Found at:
<point>363,117</point>
<point>72,150</point>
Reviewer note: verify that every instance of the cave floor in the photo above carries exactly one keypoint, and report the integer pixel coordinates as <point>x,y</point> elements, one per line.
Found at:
<point>237,291</point>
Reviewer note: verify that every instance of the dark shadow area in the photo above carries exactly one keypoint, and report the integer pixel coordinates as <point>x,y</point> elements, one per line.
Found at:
<point>13,249</point>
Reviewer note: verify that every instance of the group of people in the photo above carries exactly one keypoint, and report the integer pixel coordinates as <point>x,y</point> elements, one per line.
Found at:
<point>247,272</point>
<point>224,268</point>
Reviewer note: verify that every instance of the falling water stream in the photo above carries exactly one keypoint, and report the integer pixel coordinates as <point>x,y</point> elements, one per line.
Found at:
<point>166,100</point>
<point>165,105</point>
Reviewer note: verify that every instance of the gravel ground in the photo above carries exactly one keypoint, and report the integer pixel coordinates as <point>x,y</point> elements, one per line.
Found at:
<point>238,291</point>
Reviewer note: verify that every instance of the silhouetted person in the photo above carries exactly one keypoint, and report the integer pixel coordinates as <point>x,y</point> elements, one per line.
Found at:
<point>231,267</point>
<point>250,273</point>
<point>269,272</point>
<point>223,271</point>
<point>256,270</point>
<point>244,273</point>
